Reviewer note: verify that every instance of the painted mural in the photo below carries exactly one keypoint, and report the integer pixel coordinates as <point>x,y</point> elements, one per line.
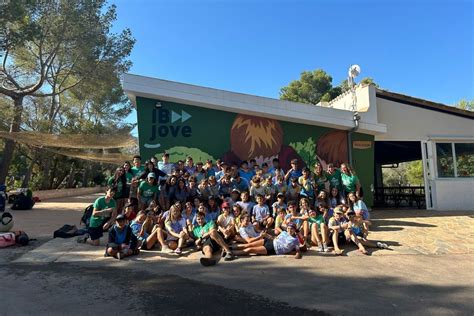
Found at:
<point>184,130</point>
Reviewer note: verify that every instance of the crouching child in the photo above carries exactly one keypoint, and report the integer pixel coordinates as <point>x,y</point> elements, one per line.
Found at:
<point>122,241</point>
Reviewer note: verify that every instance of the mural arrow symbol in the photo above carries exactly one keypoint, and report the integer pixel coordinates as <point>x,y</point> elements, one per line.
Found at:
<point>174,116</point>
<point>185,116</point>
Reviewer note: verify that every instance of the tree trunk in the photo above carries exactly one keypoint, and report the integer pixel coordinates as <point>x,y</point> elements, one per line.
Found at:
<point>10,144</point>
<point>46,174</point>
<point>85,176</point>
<point>29,171</point>
<point>70,180</point>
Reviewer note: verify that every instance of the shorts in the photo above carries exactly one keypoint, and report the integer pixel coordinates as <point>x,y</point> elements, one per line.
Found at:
<point>146,200</point>
<point>211,243</point>
<point>268,244</point>
<point>95,232</point>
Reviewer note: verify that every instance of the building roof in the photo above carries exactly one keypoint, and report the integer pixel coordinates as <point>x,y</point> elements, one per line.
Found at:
<point>425,104</point>
<point>165,90</point>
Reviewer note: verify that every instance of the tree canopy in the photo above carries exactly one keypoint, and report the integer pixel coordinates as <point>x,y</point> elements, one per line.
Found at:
<point>314,87</point>
<point>60,68</point>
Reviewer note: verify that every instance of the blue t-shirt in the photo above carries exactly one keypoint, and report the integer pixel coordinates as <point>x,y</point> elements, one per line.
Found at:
<point>294,174</point>
<point>246,206</point>
<point>360,206</point>
<point>243,185</point>
<point>136,227</point>
<point>260,212</point>
<point>284,243</point>
<point>247,175</point>
<point>298,222</point>
<point>120,235</point>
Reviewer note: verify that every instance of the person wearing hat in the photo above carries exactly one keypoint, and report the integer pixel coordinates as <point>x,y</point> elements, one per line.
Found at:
<point>338,227</point>
<point>122,241</point>
<point>359,233</point>
<point>129,211</point>
<point>234,197</point>
<point>286,242</point>
<point>147,191</point>
<point>225,222</point>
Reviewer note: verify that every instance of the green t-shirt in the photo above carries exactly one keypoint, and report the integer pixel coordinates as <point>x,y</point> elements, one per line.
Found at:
<point>120,189</point>
<point>335,179</point>
<point>129,177</point>
<point>147,190</point>
<point>198,231</point>
<point>137,172</point>
<point>320,181</point>
<point>100,204</point>
<point>349,182</point>
<point>317,219</point>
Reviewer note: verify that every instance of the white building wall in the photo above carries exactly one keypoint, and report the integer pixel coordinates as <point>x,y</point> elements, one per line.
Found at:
<point>454,194</point>
<point>407,122</point>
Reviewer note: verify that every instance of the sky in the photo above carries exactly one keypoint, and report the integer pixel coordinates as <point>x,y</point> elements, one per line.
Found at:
<point>419,48</point>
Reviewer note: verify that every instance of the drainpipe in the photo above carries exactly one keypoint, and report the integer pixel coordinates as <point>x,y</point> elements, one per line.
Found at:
<point>355,119</point>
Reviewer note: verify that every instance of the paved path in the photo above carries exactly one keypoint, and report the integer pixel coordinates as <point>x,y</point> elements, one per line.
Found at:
<point>428,272</point>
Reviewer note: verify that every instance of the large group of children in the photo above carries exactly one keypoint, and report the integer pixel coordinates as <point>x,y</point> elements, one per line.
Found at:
<point>235,210</point>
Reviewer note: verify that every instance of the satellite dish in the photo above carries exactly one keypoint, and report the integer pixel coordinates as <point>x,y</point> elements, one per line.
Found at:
<point>354,71</point>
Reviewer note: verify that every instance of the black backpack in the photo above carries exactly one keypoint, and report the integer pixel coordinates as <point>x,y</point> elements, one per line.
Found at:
<point>86,217</point>
<point>67,231</point>
<point>22,202</point>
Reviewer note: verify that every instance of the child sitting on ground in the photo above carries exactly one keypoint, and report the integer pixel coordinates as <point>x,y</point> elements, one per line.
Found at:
<point>122,241</point>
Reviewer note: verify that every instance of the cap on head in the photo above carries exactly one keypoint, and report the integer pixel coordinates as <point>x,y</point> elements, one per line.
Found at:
<point>338,210</point>
<point>120,217</point>
<point>291,225</point>
<point>225,205</point>
<point>151,175</point>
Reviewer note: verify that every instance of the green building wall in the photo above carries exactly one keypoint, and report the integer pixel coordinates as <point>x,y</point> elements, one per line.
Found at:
<point>185,130</point>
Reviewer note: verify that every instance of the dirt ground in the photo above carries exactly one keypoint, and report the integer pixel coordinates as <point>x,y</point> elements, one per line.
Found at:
<point>429,271</point>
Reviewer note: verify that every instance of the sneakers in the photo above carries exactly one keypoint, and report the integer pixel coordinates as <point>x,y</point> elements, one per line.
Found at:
<point>228,256</point>
<point>207,262</point>
<point>320,248</point>
<point>119,255</point>
<point>83,239</point>
<point>178,251</point>
<point>382,245</point>
<point>326,249</point>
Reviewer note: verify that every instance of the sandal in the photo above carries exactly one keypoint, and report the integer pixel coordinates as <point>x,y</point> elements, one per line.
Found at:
<point>364,252</point>
<point>338,252</point>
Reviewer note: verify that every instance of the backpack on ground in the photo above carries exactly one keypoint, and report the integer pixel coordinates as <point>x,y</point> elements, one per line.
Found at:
<point>7,239</point>
<point>86,217</point>
<point>22,202</point>
<point>67,231</point>
<point>22,238</point>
